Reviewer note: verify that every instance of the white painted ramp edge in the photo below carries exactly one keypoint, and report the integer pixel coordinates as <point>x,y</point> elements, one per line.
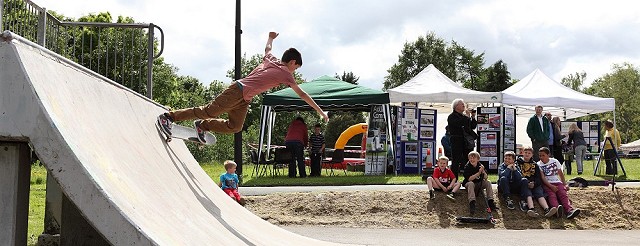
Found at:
<point>99,141</point>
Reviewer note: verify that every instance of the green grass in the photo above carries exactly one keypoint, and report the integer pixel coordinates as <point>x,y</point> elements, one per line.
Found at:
<point>37,197</point>
<point>39,175</point>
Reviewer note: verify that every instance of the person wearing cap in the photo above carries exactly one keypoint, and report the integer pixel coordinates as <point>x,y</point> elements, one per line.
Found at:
<point>538,130</point>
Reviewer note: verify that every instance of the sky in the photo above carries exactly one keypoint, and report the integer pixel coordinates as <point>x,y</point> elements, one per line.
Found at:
<point>366,37</point>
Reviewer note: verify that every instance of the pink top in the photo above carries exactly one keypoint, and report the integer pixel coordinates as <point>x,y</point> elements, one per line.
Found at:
<point>270,73</point>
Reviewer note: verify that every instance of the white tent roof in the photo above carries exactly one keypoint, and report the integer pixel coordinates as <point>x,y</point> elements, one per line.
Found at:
<point>635,145</point>
<point>538,89</point>
<point>432,86</point>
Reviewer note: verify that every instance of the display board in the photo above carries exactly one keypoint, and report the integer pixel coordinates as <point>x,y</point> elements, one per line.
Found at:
<point>376,154</point>
<point>590,130</point>
<point>509,130</point>
<point>416,138</point>
<point>489,130</point>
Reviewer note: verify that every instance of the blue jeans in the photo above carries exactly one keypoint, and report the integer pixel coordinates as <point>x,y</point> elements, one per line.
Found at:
<point>581,152</point>
<point>512,181</point>
<point>297,155</point>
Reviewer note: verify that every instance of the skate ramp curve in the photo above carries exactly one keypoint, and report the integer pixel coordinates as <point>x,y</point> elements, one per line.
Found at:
<point>99,141</point>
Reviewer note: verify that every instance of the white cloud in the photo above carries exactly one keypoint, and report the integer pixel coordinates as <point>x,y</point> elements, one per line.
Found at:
<point>365,37</point>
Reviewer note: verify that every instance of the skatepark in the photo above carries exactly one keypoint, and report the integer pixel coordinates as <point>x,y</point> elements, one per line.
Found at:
<point>98,145</point>
<point>101,164</point>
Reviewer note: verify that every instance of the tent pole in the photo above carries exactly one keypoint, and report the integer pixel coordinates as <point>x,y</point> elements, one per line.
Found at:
<point>272,121</point>
<point>263,122</point>
<point>390,139</point>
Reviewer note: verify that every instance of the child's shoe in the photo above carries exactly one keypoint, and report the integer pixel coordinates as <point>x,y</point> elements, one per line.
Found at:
<point>560,211</point>
<point>492,205</point>
<point>199,131</point>
<point>532,213</point>
<point>451,196</point>
<point>548,212</point>
<point>523,206</point>
<point>573,213</point>
<point>242,201</point>
<point>431,195</point>
<point>510,203</point>
<point>165,121</point>
<point>472,207</point>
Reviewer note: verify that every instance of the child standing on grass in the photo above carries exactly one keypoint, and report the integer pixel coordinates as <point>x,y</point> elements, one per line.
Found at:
<point>443,180</point>
<point>229,182</point>
<point>475,180</point>
<point>236,98</point>
<point>556,187</point>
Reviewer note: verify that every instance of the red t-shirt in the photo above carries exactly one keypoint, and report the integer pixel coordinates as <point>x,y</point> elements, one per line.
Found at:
<point>446,177</point>
<point>297,132</point>
<point>270,73</point>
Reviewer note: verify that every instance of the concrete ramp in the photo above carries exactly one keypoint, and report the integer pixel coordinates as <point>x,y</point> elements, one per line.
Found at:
<point>99,141</point>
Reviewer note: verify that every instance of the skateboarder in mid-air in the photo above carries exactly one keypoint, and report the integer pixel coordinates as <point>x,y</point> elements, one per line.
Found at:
<point>236,98</point>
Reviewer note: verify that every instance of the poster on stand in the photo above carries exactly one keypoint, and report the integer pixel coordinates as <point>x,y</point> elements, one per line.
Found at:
<point>409,130</point>
<point>488,138</point>
<point>509,131</point>
<point>411,161</point>
<point>427,120</point>
<point>376,145</point>
<point>427,149</point>
<point>411,148</point>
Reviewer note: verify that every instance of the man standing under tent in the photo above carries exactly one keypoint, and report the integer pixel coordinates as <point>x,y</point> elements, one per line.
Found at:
<point>538,131</point>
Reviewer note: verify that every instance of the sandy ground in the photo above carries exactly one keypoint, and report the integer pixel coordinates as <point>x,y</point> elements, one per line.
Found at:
<point>601,209</point>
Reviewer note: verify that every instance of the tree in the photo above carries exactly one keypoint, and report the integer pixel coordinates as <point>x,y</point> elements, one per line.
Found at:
<point>469,67</point>
<point>574,81</point>
<point>348,77</point>
<point>623,84</point>
<point>453,60</point>
<point>498,78</point>
<point>415,56</point>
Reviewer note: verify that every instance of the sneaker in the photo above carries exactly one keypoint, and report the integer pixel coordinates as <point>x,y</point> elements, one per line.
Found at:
<point>472,207</point>
<point>532,213</point>
<point>510,204</point>
<point>199,131</point>
<point>431,195</point>
<point>451,196</point>
<point>523,206</point>
<point>492,205</point>
<point>573,213</point>
<point>560,211</point>
<point>242,201</point>
<point>165,121</point>
<point>548,212</point>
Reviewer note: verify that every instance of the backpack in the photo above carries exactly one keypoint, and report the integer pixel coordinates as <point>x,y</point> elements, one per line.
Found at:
<point>578,182</point>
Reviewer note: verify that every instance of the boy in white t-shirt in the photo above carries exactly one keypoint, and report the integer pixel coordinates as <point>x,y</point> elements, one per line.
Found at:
<point>556,187</point>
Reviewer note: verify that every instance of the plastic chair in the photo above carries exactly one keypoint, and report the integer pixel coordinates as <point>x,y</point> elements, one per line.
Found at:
<point>282,158</point>
<point>336,158</point>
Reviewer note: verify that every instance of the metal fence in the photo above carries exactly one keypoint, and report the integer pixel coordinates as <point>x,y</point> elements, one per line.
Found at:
<point>122,52</point>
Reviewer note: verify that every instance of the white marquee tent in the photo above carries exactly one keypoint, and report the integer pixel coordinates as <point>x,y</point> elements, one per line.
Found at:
<point>432,86</point>
<point>538,89</point>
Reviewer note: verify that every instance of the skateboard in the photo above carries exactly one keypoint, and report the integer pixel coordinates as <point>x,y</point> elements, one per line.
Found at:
<point>485,220</point>
<point>187,133</point>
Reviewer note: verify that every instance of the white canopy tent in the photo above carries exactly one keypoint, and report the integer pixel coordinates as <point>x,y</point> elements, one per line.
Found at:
<point>635,145</point>
<point>433,87</point>
<point>538,89</point>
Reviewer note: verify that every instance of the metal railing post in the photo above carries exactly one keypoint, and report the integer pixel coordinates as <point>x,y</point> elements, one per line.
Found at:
<point>150,61</point>
<point>1,20</point>
<point>42,27</point>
